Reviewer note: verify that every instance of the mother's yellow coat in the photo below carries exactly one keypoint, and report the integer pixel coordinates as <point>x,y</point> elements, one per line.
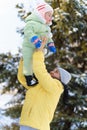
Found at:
<point>41,100</point>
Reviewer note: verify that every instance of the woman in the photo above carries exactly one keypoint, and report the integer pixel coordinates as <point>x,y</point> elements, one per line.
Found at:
<point>41,101</point>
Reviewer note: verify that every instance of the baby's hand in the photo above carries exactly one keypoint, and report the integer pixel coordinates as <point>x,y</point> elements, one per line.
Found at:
<point>51,47</point>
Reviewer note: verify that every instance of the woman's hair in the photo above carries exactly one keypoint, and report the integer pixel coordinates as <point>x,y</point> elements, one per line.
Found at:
<point>65,94</point>
<point>50,67</point>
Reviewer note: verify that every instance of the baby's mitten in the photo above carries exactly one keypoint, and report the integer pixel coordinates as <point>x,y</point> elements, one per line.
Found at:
<point>51,47</point>
<point>36,41</point>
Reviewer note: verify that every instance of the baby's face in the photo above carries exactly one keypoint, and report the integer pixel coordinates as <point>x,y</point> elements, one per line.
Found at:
<point>48,17</point>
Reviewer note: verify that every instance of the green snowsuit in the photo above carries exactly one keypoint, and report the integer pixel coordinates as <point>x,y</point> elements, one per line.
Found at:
<point>35,26</point>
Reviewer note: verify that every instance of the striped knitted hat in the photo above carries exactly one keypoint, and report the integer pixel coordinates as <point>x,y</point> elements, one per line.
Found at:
<point>41,9</point>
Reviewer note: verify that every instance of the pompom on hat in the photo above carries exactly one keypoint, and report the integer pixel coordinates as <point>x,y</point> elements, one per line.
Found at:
<point>42,8</point>
<point>65,75</point>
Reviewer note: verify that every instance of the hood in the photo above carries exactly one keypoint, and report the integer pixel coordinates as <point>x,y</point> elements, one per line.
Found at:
<point>35,17</point>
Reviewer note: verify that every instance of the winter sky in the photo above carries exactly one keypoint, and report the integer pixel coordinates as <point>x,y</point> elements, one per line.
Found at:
<point>9,39</point>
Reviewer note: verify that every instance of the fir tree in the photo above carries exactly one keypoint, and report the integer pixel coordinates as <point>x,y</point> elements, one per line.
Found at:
<point>70,36</point>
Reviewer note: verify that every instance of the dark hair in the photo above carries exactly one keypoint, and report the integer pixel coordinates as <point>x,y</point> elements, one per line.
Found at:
<point>50,67</point>
<point>65,94</point>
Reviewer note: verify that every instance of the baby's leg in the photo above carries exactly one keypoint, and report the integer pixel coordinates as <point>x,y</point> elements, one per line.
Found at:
<point>27,66</point>
<point>27,60</point>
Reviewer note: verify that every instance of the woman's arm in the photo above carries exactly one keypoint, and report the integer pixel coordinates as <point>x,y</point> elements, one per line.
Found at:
<point>44,78</point>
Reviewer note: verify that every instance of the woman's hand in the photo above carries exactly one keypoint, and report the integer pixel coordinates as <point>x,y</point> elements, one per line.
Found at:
<point>44,41</point>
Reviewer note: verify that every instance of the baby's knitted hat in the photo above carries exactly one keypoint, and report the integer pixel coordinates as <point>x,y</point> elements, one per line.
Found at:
<point>42,8</point>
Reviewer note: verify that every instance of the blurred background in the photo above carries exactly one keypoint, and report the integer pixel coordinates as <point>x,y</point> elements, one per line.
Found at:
<point>69,30</point>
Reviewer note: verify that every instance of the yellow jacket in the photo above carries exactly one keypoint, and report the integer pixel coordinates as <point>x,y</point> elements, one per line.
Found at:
<point>41,100</point>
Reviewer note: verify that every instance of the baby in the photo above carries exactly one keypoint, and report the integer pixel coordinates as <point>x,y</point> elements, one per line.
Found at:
<point>37,26</point>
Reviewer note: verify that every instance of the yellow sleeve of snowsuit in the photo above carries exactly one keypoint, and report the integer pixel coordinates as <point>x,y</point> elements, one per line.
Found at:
<point>41,100</point>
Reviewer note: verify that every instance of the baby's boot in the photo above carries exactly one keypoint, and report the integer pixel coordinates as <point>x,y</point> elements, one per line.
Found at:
<point>30,81</point>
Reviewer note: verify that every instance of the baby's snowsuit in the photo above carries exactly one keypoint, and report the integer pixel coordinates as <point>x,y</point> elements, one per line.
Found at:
<point>35,27</point>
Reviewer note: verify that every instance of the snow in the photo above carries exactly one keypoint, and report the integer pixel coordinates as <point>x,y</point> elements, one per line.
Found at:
<point>6,120</point>
<point>4,104</point>
<point>4,99</point>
